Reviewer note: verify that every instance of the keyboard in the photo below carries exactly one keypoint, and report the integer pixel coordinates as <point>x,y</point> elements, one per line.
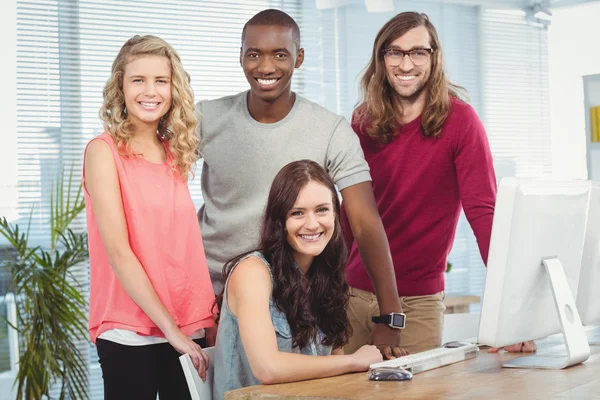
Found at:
<point>450,353</point>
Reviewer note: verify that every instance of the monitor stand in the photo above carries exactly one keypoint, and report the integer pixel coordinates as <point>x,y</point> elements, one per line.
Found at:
<point>576,342</point>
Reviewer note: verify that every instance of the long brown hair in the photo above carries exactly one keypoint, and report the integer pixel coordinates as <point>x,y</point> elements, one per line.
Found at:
<point>324,302</point>
<point>178,126</point>
<point>378,108</point>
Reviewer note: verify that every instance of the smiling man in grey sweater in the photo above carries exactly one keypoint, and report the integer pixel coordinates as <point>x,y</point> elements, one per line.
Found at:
<point>247,138</point>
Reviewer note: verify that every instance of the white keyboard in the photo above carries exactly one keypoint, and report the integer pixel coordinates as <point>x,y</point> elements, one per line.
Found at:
<point>453,352</point>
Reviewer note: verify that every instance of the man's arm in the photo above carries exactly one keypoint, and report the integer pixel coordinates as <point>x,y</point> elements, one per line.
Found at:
<point>346,228</point>
<point>476,178</point>
<point>367,229</point>
<point>347,166</point>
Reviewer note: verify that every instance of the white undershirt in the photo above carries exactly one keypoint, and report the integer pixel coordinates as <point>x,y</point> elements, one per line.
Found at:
<point>131,338</point>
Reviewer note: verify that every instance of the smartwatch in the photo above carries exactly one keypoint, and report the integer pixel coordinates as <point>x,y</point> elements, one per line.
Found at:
<point>393,320</point>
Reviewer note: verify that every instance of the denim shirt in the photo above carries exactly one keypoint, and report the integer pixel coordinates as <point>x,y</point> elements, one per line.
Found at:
<point>231,366</point>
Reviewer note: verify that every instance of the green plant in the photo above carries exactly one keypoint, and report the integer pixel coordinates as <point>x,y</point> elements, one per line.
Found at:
<point>51,310</point>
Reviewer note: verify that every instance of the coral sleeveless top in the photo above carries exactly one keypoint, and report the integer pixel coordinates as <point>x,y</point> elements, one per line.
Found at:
<point>164,234</point>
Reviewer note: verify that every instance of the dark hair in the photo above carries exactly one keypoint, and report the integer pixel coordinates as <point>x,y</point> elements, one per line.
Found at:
<point>274,17</point>
<point>324,303</point>
<point>379,105</point>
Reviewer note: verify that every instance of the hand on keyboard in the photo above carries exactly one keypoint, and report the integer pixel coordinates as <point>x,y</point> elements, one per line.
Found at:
<point>387,341</point>
<point>392,352</point>
<point>431,359</point>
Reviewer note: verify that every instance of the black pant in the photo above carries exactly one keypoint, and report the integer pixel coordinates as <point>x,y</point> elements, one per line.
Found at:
<point>140,372</point>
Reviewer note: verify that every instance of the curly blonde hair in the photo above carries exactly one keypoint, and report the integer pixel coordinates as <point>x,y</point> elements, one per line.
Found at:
<point>378,107</point>
<point>177,126</point>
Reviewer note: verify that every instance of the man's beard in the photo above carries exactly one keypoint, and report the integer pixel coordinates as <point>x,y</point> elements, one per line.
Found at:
<point>411,99</point>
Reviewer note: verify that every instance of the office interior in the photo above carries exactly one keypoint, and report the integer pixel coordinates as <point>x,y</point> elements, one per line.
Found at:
<point>531,68</point>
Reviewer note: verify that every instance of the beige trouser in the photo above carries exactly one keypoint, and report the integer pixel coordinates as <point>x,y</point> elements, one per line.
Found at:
<point>424,320</point>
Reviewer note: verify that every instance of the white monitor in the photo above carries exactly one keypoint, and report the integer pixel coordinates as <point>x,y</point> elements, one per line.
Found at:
<point>533,268</point>
<point>588,298</point>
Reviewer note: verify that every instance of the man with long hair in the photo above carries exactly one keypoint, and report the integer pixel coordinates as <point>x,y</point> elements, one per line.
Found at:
<point>429,154</point>
<point>248,137</point>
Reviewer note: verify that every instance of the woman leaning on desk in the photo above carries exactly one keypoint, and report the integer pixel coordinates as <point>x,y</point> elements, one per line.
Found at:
<point>283,308</point>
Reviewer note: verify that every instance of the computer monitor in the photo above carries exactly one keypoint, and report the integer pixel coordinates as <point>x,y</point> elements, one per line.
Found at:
<point>533,268</point>
<point>588,297</point>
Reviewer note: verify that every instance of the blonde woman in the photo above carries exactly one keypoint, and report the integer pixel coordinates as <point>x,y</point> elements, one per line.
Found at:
<point>150,294</point>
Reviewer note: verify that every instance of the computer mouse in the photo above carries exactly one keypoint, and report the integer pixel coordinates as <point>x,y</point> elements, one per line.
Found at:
<point>389,374</point>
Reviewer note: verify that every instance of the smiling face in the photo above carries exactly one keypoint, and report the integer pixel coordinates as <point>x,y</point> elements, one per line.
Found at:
<point>269,57</point>
<point>407,79</point>
<point>310,223</point>
<point>147,89</point>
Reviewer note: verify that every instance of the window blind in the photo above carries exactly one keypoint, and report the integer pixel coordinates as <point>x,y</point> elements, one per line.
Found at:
<point>516,111</point>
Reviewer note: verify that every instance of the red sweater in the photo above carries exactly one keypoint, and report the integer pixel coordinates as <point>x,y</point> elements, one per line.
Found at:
<point>420,184</point>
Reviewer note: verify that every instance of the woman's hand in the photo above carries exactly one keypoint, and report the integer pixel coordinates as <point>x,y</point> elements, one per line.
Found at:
<point>521,347</point>
<point>185,345</point>
<point>365,356</point>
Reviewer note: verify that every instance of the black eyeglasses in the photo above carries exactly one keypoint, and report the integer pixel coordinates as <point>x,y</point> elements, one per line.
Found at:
<point>418,57</point>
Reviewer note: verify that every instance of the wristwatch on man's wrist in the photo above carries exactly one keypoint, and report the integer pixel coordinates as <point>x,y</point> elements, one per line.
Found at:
<point>393,320</point>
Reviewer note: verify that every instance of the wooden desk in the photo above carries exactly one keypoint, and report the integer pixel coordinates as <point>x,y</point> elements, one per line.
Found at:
<point>479,378</point>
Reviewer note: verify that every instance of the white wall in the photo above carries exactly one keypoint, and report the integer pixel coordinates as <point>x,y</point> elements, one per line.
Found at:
<point>573,52</point>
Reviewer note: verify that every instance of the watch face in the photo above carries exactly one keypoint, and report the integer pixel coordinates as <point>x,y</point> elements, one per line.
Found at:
<point>398,320</point>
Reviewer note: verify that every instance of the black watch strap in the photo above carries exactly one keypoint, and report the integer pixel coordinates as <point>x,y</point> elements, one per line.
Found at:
<point>393,320</point>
